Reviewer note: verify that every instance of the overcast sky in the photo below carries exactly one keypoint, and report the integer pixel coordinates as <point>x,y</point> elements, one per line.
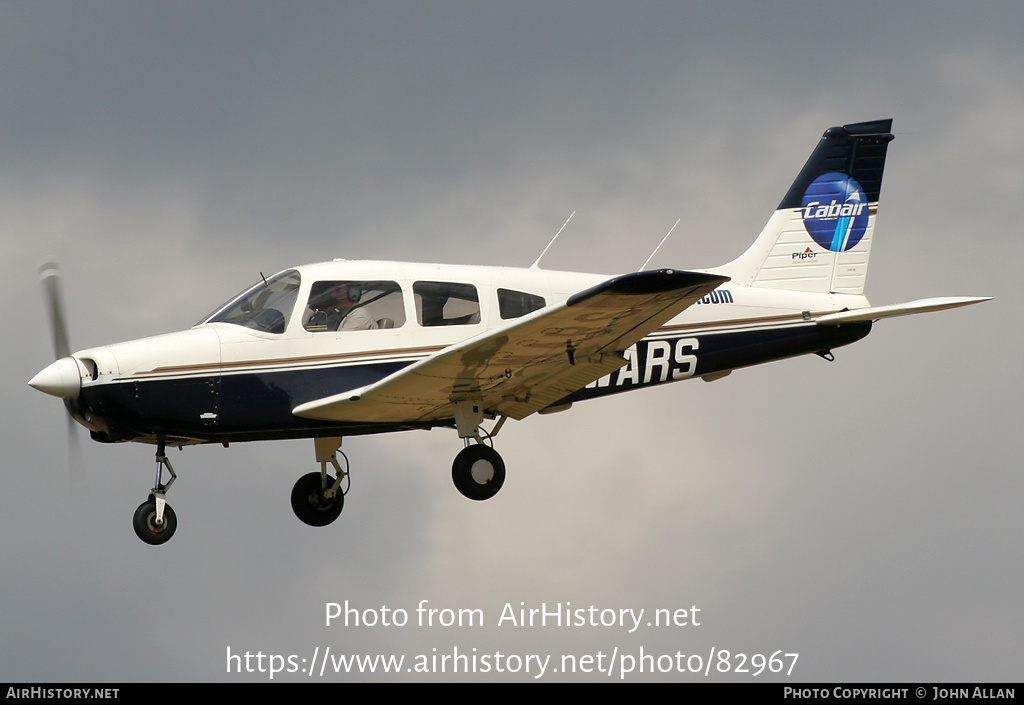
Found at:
<point>864,514</point>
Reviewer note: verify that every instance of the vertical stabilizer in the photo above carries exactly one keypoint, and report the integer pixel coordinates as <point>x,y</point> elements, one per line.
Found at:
<point>819,238</point>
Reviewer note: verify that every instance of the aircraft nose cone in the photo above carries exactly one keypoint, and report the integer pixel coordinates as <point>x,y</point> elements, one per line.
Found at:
<point>61,379</point>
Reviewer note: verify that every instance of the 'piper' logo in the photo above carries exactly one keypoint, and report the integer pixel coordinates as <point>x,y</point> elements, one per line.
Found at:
<point>835,211</point>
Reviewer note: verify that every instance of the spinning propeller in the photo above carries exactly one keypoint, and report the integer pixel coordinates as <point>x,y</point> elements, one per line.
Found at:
<point>63,377</point>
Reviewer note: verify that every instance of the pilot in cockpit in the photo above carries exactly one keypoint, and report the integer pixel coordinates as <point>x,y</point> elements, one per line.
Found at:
<point>335,306</point>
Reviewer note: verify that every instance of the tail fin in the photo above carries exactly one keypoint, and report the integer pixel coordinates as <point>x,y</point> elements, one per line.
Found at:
<point>819,238</point>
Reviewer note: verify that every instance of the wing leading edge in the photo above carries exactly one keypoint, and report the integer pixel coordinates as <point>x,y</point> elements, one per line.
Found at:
<point>529,363</point>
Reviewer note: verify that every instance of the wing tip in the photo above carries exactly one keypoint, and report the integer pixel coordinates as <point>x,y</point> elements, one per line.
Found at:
<point>654,281</point>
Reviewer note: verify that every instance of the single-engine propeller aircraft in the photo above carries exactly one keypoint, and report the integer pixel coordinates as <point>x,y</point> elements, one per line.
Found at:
<point>346,348</point>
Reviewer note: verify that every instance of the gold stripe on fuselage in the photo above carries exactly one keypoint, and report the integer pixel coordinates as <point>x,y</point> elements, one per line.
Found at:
<point>390,354</point>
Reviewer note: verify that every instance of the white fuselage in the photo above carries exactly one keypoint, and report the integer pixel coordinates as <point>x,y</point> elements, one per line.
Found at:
<point>208,383</point>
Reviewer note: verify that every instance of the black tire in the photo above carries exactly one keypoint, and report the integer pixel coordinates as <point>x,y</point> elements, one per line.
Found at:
<point>478,472</point>
<point>309,504</point>
<point>146,527</point>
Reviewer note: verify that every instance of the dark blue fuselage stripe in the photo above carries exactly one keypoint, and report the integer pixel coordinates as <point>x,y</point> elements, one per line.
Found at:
<point>705,354</point>
<point>259,405</point>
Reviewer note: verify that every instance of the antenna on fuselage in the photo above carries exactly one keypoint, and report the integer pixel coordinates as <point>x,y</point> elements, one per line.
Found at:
<point>534,265</point>
<point>647,261</point>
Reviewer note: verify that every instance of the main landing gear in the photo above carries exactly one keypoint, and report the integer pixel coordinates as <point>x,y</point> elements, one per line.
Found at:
<point>318,498</point>
<point>478,471</point>
<point>154,520</point>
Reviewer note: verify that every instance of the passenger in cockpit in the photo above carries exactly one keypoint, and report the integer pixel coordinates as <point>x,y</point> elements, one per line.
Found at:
<point>335,306</point>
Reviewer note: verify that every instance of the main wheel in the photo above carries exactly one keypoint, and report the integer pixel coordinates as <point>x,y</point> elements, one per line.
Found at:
<point>146,527</point>
<point>309,503</point>
<point>478,472</point>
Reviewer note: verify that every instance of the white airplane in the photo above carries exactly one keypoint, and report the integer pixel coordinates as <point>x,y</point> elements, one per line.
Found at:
<point>347,348</point>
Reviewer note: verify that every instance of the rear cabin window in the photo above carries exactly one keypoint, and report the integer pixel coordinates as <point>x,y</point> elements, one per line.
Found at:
<point>353,305</point>
<point>446,304</point>
<point>513,304</point>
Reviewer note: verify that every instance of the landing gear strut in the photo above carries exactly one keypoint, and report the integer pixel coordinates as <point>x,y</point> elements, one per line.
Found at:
<point>318,498</point>
<point>478,471</point>
<point>154,520</point>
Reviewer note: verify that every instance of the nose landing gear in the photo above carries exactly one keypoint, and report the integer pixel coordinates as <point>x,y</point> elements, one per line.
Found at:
<point>154,520</point>
<point>150,526</point>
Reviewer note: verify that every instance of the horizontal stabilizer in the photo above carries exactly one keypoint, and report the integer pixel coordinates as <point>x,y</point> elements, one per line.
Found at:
<point>920,306</point>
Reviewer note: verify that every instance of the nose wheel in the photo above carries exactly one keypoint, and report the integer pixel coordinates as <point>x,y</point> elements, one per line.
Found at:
<point>154,520</point>
<point>149,527</point>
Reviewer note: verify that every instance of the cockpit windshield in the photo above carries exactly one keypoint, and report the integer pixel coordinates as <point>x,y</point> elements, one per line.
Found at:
<point>267,306</point>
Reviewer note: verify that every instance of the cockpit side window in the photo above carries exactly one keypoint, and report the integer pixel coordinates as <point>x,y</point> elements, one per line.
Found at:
<point>265,307</point>
<point>353,305</point>
<point>446,304</point>
<point>513,304</point>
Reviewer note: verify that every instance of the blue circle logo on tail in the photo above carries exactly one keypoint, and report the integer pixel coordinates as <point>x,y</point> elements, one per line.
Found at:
<point>835,211</point>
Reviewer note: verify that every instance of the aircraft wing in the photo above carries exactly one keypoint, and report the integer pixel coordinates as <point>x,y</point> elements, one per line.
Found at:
<point>528,363</point>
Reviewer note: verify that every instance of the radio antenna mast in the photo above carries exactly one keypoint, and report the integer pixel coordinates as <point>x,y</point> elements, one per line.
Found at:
<point>644,265</point>
<point>534,265</point>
